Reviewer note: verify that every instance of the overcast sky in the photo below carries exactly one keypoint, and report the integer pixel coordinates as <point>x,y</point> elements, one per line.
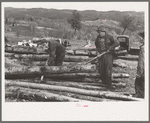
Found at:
<point>99,6</point>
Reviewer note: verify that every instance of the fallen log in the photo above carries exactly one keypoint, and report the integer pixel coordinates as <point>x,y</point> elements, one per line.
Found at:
<point>38,51</point>
<point>82,48</point>
<point>55,97</point>
<point>42,63</point>
<point>118,85</point>
<point>8,49</point>
<point>12,63</point>
<point>38,95</point>
<point>38,70</point>
<point>93,53</point>
<point>119,65</point>
<point>34,63</point>
<point>45,57</point>
<point>120,75</point>
<point>101,94</point>
<point>71,52</point>
<point>121,53</point>
<point>90,98</point>
<point>81,53</point>
<point>63,83</point>
<point>10,55</point>
<point>21,49</point>
<point>93,86</point>
<point>129,57</point>
<point>54,73</point>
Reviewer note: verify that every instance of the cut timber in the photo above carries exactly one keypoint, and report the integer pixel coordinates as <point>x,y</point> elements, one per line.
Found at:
<point>84,75</point>
<point>121,53</point>
<point>120,75</point>
<point>103,94</point>
<point>82,48</point>
<point>81,53</point>
<point>76,58</point>
<point>25,50</point>
<point>38,95</point>
<point>8,49</point>
<point>43,63</point>
<point>12,63</point>
<point>119,65</point>
<point>115,64</point>
<point>45,57</point>
<point>62,83</point>
<point>38,63</point>
<point>119,84</point>
<point>29,95</point>
<point>71,52</point>
<point>90,98</point>
<point>129,57</point>
<point>38,70</point>
<point>73,75</point>
<point>33,57</point>
<point>10,55</point>
<point>21,49</point>
<point>58,72</point>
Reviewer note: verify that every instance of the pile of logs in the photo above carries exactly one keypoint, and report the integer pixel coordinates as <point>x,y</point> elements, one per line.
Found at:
<point>85,51</point>
<point>73,81</point>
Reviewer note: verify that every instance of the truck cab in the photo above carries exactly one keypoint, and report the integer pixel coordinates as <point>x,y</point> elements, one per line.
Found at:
<point>124,42</point>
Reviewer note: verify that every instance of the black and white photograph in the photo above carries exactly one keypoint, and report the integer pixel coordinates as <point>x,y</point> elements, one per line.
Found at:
<point>67,56</point>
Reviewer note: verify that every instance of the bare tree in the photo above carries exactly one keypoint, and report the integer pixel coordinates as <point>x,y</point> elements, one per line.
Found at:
<point>32,26</point>
<point>46,32</point>
<point>18,32</point>
<point>75,21</point>
<point>126,22</point>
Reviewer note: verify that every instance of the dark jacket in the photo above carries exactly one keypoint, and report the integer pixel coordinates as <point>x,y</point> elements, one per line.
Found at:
<point>55,48</point>
<point>110,43</point>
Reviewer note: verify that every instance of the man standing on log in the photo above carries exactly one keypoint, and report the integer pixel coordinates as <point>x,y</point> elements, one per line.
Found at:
<point>105,43</point>
<point>139,81</point>
<point>56,53</point>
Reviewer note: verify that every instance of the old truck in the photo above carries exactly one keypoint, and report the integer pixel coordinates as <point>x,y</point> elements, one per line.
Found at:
<point>125,44</point>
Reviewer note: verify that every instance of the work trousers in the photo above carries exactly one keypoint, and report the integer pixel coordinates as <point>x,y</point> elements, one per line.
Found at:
<point>105,64</point>
<point>56,61</point>
<point>139,87</point>
<point>60,59</point>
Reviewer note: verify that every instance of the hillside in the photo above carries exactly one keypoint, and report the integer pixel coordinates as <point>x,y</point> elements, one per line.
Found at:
<point>64,14</point>
<point>41,22</point>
